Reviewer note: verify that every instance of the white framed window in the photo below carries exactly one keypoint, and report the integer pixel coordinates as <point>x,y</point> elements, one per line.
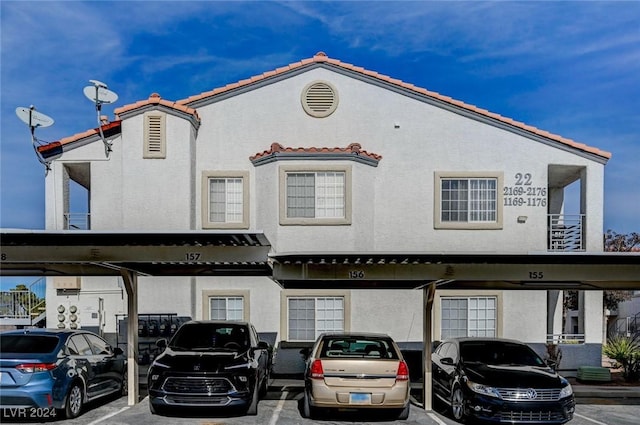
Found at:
<point>308,317</point>
<point>225,304</point>
<point>315,196</point>
<point>468,200</point>
<point>154,136</point>
<point>226,308</point>
<point>225,200</point>
<point>468,316</point>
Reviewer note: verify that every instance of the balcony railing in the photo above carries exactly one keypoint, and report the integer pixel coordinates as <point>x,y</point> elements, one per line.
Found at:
<point>565,338</point>
<point>77,221</point>
<point>566,232</point>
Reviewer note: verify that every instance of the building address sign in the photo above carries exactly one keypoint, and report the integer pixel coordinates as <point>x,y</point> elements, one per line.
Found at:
<point>523,193</point>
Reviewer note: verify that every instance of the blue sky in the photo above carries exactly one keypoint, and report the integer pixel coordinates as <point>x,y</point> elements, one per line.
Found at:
<point>571,68</point>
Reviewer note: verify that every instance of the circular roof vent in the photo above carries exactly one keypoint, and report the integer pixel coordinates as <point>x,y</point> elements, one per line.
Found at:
<point>319,99</point>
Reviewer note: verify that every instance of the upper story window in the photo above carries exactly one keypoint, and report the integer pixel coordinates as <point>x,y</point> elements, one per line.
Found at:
<point>468,201</point>
<point>154,135</point>
<point>225,200</point>
<point>315,196</point>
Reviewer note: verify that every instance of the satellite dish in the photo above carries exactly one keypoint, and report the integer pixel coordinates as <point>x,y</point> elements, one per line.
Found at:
<point>99,94</point>
<point>33,118</point>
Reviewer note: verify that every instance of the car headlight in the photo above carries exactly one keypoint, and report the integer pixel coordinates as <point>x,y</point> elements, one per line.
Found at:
<point>566,391</point>
<point>483,389</point>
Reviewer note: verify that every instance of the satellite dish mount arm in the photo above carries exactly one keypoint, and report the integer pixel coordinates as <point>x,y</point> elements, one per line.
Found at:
<point>98,100</point>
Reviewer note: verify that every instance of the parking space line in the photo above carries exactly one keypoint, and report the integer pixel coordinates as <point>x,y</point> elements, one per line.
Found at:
<point>97,421</point>
<point>589,419</point>
<point>435,418</point>
<point>278,409</point>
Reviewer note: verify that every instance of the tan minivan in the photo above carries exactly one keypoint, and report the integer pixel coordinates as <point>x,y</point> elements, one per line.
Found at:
<point>355,371</point>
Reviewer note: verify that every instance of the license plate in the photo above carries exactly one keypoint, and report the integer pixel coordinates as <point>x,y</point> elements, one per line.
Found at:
<point>359,398</point>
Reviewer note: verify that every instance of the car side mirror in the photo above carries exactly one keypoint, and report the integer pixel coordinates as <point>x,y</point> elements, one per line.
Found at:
<point>117,351</point>
<point>161,343</point>
<point>447,360</point>
<point>263,345</point>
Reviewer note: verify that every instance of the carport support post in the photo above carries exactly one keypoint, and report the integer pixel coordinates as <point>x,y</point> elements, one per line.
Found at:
<point>131,284</point>
<point>428,294</point>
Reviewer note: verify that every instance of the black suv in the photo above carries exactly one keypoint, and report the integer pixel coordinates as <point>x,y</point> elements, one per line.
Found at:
<point>210,364</point>
<point>499,380</point>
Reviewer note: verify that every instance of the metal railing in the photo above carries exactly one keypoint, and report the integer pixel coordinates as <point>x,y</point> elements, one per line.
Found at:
<point>565,338</point>
<point>624,326</point>
<point>24,306</point>
<point>566,232</point>
<point>77,221</point>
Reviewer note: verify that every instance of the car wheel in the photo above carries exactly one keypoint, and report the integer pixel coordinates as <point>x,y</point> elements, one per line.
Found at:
<point>307,410</point>
<point>75,398</point>
<point>457,404</point>
<point>252,410</point>
<point>404,413</point>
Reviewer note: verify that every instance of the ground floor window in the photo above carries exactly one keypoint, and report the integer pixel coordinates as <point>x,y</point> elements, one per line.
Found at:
<point>472,316</point>
<point>310,316</point>
<point>226,308</point>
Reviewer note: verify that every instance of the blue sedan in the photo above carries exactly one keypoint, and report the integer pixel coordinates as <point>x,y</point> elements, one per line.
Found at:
<point>45,372</point>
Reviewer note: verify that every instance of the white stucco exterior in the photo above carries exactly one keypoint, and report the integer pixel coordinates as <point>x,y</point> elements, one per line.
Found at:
<point>394,202</point>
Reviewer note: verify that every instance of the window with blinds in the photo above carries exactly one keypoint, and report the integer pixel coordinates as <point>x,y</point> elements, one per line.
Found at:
<point>468,200</point>
<point>225,200</point>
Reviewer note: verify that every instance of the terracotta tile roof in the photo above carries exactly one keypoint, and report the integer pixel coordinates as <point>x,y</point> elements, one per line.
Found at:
<point>321,57</point>
<point>354,149</point>
<point>155,99</point>
<point>108,129</point>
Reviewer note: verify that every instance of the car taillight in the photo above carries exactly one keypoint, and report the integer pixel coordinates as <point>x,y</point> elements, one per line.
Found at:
<point>403,372</point>
<point>35,367</point>
<point>316,371</point>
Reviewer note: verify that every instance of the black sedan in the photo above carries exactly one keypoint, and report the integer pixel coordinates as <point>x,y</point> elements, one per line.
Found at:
<point>210,364</point>
<point>46,372</point>
<point>499,380</point>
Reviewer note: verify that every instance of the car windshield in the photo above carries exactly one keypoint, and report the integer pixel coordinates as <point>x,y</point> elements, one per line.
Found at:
<point>24,343</point>
<point>357,347</point>
<point>207,336</point>
<point>499,353</point>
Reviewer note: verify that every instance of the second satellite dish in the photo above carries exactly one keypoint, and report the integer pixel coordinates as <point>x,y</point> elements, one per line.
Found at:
<point>33,118</point>
<point>98,93</point>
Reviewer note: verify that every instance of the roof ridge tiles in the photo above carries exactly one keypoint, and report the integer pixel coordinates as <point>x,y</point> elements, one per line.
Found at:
<point>352,148</point>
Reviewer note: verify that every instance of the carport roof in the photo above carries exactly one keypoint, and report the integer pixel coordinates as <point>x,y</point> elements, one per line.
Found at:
<point>195,253</point>
<point>95,253</point>
<point>409,270</point>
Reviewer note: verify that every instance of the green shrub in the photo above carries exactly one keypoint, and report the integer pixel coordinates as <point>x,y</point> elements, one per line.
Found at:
<point>625,351</point>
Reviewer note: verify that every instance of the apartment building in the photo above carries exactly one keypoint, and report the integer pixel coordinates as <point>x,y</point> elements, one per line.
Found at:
<point>324,156</point>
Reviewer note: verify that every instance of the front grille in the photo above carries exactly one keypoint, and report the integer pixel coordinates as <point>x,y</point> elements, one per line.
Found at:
<point>529,394</point>
<point>197,401</point>
<point>532,416</point>
<point>201,386</point>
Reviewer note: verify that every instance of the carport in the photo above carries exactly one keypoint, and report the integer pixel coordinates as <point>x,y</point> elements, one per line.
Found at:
<point>133,254</point>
